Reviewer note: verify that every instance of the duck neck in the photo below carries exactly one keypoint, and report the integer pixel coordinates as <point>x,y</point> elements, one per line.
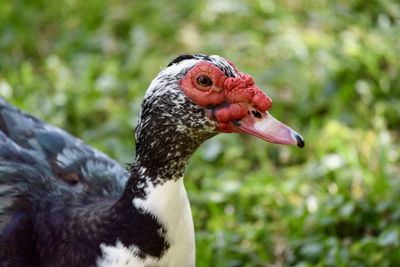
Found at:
<point>160,160</point>
<point>155,190</point>
<point>154,214</point>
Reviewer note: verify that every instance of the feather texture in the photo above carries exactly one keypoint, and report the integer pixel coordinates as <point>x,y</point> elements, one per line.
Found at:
<point>40,163</point>
<point>65,204</point>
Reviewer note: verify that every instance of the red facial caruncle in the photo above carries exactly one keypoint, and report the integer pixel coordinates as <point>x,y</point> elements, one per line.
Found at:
<point>234,93</point>
<point>236,104</point>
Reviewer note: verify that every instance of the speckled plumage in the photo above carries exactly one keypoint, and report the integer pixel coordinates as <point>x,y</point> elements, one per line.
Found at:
<point>65,204</point>
<point>61,201</point>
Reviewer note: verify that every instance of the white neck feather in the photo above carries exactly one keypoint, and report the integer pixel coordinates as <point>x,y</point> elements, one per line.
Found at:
<point>170,205</point>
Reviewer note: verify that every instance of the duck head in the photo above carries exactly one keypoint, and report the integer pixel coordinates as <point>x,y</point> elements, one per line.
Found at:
<point>198,96</point>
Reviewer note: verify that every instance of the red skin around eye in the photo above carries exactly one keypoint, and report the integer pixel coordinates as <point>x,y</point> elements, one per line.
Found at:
<point>204,96</point>
<point>234,93</point>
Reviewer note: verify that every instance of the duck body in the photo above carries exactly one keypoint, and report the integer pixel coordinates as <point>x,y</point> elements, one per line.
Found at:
<point>63,203</point>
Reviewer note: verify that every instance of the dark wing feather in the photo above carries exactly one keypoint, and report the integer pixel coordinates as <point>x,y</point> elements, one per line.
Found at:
<point>39,161</point>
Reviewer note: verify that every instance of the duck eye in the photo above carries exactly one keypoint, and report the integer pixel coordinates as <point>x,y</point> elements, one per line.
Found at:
<point>204,81</point>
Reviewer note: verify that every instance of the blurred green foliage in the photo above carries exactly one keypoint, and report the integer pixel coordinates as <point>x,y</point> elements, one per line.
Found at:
<point>331,67</point>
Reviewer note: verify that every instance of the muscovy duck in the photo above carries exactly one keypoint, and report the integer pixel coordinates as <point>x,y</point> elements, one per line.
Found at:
<point>63,203</point>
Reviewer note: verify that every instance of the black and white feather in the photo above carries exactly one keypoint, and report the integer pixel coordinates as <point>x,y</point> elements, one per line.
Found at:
<point>63,203</point>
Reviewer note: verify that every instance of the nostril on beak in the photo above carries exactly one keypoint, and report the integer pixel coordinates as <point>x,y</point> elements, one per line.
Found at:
<point>300,141</point>
<point>256,114</point>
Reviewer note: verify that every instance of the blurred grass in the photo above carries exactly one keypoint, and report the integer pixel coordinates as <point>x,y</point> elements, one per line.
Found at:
<point>331,67</point>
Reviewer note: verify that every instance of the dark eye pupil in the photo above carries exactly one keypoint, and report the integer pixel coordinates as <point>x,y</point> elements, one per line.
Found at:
<point>204,81</point>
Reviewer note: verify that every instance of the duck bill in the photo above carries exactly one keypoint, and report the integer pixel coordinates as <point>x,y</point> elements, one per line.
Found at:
<point>266,127</point>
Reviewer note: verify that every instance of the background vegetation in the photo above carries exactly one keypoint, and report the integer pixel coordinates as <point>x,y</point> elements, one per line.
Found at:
<point>331,67</point>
